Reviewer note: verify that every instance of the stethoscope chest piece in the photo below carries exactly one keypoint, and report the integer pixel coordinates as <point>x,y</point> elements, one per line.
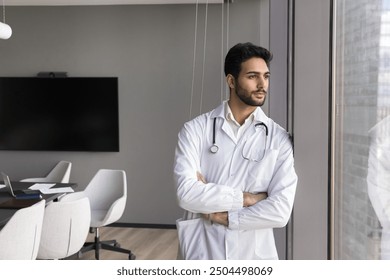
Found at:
<point>214,148</point>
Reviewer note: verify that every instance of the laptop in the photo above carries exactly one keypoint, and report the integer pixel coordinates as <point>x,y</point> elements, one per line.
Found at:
<point>20,194</point>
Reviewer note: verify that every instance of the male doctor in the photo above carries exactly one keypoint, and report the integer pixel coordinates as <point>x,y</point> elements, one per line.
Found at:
<point>234,169</point>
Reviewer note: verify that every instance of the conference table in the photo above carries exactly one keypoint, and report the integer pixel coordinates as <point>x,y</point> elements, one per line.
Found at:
<point>6,213</point>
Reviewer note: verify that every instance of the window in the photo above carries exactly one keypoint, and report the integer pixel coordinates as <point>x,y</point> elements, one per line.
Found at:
<point>361,154</point>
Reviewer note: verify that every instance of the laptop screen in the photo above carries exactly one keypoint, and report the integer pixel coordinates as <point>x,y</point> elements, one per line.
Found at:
<point>7,184</point>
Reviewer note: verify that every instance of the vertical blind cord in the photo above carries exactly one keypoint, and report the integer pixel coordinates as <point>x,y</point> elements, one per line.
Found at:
<point>204,56</point>
<point>222,64</point>
<point>3,11</point>
<point>227,33</point>
<point>223,85</point>
<point>194,57</point>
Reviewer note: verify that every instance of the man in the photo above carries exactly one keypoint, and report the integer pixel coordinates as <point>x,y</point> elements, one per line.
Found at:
<point>234,169</point>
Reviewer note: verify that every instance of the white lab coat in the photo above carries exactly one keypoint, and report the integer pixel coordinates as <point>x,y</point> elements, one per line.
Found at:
<point>250,231</point>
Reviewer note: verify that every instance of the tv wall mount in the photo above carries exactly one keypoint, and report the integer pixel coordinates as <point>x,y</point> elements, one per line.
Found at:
<point>52,74</point>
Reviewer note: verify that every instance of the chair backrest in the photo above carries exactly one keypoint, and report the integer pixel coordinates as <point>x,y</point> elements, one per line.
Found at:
<point>65,227</point>
<point>107,192</point>
<point>20,237</point>
<point>59,174</point>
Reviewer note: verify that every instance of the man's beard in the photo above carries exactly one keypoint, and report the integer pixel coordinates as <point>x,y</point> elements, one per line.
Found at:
<point>248,99</point>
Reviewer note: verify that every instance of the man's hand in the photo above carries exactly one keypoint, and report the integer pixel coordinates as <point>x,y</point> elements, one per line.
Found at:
<point>251,199</point>
<point>219,218</point>
<point>200,177</point>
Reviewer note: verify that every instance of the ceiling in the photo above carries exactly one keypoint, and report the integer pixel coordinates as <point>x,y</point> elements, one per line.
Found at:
<point>101,2</point>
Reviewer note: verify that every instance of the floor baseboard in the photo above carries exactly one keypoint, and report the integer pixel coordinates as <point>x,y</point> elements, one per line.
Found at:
<point>140,225</point>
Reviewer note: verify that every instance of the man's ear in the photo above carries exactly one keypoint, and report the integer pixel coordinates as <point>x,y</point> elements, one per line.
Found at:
<point>230,80</point>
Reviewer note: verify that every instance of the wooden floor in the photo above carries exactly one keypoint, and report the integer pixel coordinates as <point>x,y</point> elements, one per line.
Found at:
<point>145,243</point>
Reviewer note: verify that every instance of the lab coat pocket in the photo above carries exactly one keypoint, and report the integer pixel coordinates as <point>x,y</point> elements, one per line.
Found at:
<point>191,238</point>
<point>260,171</point>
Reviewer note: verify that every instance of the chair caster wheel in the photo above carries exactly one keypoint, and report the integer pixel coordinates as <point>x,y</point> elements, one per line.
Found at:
<point>131,256</point>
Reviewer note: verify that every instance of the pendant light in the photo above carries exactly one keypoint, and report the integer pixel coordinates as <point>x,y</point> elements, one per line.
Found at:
<point>5,29</point>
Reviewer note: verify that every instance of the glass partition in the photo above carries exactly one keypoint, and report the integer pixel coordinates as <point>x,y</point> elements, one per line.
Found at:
<point>361,130</point>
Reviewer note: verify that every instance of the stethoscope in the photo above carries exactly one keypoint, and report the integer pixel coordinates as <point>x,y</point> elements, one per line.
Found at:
<point>214,148</point>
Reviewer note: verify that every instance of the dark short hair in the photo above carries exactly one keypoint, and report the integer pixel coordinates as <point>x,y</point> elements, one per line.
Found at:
<point>241,53</point>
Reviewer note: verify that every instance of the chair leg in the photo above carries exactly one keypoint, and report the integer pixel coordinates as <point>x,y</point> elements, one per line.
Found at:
<point>114,246</point>
<point>111,245</point>
<point>89,246</point>
<point>97,247</point>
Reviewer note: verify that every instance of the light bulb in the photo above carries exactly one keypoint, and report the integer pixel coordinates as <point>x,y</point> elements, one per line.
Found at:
<point>5,31</point>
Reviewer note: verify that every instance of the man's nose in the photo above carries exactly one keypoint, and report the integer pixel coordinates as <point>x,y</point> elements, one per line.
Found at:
<point>261,82</point>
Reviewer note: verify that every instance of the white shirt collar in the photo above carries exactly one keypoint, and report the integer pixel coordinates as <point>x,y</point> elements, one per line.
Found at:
<point>220,111</point>
<point>230,117</point>
<point>238,129</point>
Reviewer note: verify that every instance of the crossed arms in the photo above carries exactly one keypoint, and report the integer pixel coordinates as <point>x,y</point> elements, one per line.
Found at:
<point>233,207</point>
<point>222,218</point>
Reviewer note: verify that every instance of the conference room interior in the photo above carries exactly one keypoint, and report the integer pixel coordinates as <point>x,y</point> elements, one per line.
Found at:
<point>163,63</point>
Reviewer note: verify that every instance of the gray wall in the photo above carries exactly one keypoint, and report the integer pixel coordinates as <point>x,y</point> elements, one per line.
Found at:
<point>150,49</point>
<point>311,91</point>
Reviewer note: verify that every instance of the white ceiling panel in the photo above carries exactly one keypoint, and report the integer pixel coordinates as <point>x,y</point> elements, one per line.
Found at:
<point>102,2</point>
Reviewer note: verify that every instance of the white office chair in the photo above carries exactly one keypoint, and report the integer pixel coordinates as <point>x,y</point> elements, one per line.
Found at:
<point>65,227</point>
<point>107,193</point>
<point>20,237</point>
<point>59,174</point>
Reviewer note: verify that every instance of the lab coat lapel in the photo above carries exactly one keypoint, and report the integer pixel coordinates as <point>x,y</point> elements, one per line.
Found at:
<point>228,131</point>
<point>260,116</point>
<point>220,113</point>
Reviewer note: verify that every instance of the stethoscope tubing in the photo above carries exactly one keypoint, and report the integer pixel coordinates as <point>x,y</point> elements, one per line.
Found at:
<point>214,147</point>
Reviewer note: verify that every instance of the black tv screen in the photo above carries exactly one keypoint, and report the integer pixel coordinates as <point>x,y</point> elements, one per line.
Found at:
<point>59,114</point>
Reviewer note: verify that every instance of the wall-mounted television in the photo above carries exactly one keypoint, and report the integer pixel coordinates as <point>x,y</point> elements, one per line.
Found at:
<point>59,114</point>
